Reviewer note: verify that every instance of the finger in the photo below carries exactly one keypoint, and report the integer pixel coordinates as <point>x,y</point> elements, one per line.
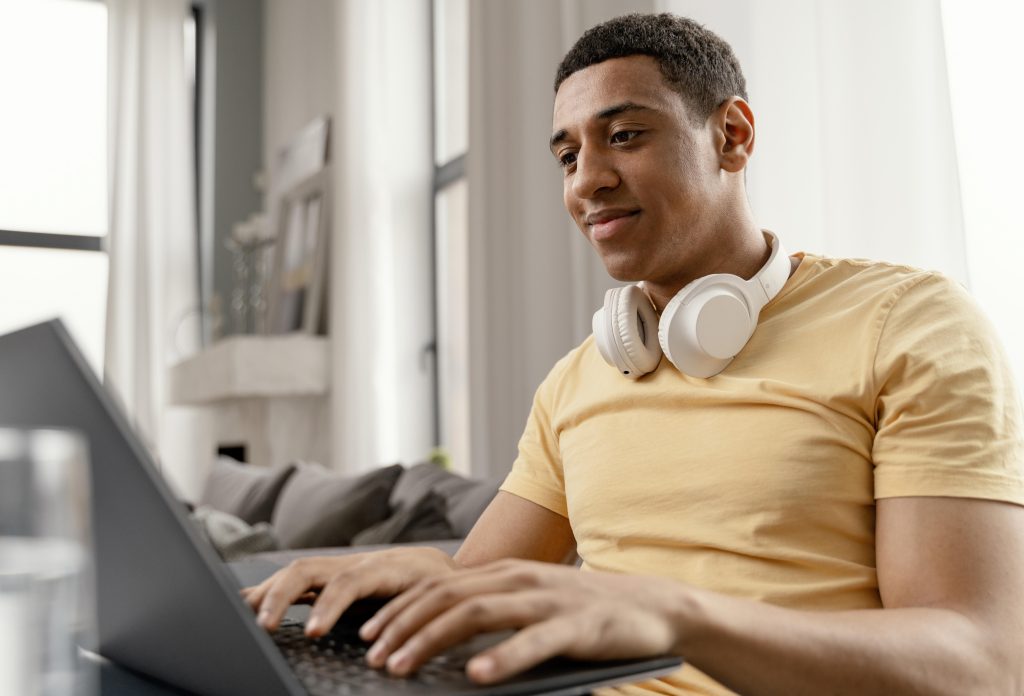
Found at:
<point>337,596</point>
<point>254,595</point>
<point>287,586</point>
<point>525,649</point>
<point>518,573</point>
<point>376,578</point>
<point>370,630</point>
<point>422,603</point>
<point>478,614</point>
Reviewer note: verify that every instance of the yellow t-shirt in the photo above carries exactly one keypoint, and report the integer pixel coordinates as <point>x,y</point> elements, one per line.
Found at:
<point>862,381</point>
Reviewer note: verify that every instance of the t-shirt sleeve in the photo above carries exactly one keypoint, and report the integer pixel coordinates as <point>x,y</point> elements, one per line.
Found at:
<point>537,472</point>
<point>948,413</point>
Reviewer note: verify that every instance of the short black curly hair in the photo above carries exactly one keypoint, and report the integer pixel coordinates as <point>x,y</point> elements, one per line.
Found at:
<point>698,63</point>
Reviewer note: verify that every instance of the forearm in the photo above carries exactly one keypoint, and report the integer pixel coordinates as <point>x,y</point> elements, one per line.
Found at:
<point>759,649</point>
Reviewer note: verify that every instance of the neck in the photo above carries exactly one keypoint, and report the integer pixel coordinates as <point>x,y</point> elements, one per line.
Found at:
<point>740,248</point>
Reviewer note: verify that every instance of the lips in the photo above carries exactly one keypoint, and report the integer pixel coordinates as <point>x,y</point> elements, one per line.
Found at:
<point>605,224</point>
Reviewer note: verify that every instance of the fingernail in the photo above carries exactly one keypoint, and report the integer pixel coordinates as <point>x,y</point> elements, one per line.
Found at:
<point>481,667</point>
<point>398,661</point>
<point>375,653</point>
<point>368,630</point>
<point>312,624</point>
<point>264,617</point>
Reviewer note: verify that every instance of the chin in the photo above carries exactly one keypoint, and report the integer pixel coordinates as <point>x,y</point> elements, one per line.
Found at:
<point>621,269</point>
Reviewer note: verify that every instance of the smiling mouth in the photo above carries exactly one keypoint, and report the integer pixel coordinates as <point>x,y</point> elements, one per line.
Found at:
<point>605,229</point>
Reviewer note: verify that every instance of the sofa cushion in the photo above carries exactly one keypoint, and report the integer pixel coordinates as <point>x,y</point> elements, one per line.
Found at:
<point>465,498</point>
<point>323,508</point>
<point>247,492</point>
<point>424,520</point>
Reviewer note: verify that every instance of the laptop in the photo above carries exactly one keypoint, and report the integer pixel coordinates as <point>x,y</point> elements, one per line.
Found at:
<point>169,608</point>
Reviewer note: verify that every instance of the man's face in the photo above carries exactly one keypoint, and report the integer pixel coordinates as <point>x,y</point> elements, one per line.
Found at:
<point>641,180</point>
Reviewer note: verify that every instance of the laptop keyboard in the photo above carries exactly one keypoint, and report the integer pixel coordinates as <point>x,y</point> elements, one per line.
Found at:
<point>336,664</point>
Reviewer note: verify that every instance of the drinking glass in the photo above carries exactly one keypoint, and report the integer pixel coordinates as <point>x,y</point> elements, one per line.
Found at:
<point>47,598</point>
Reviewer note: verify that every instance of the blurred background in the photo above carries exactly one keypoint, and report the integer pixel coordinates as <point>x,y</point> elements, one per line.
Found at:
<point>305,229</point>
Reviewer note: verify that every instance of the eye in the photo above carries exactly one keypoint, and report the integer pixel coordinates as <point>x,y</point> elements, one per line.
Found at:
<point>624,136</point>
<point>567,160</point>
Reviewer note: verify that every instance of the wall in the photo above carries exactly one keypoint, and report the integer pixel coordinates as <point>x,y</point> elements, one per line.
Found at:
<point>300,74</point>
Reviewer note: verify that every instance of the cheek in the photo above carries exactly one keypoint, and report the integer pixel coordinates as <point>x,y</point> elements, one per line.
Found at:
<point>569,201</point>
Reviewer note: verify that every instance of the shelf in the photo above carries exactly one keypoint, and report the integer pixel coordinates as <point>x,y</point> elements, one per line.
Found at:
<point>240,367</point>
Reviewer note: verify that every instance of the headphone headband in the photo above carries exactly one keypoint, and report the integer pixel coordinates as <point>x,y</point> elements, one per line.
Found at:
<point>702,327</point>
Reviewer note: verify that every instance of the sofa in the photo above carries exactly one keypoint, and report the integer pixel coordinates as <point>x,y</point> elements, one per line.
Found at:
<point>246,510</point>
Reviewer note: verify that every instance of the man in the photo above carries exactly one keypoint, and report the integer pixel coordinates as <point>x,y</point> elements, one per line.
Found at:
<point>838,510</point>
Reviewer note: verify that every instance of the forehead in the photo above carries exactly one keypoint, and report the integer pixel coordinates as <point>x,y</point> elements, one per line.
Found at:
<point>635,79</point>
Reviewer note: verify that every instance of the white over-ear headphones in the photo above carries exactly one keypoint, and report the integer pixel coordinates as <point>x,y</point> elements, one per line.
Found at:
<point>702,328</point>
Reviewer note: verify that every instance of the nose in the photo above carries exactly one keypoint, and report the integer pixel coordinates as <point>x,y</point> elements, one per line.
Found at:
<point>594,173</point>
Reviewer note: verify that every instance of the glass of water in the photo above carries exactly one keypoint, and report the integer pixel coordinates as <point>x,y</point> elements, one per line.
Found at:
<point>47,599</point>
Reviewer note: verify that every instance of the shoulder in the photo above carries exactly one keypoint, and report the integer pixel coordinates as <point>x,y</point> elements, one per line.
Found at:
<point>577,364</point>
<point>864,275</point>
<point>872,293</point>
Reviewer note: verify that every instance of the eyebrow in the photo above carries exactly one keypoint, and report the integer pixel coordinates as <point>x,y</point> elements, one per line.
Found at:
<point>602,115</point>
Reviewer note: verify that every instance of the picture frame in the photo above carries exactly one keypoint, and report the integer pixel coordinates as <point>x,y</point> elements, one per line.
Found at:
<point>301,210</point>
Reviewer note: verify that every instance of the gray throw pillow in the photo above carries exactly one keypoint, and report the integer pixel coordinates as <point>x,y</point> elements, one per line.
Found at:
<point>322,508</point>
<point>416,481</point>
<point>247,492</point>
<point>466,498</point>
<point>424,520</point>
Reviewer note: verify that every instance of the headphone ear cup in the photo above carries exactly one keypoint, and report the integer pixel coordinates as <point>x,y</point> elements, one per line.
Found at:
<point>625,331</point>
<point>705,325</point>
<point>603,339</point>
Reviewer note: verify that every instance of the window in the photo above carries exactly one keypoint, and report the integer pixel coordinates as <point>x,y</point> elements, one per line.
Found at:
<point>53,182</point>
<point>53,178</point>
<point>451,142</point>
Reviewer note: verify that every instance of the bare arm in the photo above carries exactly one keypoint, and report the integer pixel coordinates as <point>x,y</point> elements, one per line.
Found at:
<point>513,527</point>
<point>950,572</point>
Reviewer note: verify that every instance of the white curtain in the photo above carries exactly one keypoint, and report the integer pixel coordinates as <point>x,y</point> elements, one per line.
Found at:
<point>855,157</point>
<point>985,55</point>
<point>381,305</point>
<point>152,239</point>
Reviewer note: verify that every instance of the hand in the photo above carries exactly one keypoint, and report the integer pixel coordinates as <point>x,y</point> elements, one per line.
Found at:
<point>559,611</point>
<point>332,583</point>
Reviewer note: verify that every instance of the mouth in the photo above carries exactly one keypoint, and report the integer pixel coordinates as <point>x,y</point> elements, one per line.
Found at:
<point>606,224</point>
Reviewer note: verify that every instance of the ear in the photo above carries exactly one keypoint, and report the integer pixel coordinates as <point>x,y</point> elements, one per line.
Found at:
<point>734,122</point>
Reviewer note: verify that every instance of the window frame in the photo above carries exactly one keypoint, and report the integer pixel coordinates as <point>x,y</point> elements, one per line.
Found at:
<point>445,174</point>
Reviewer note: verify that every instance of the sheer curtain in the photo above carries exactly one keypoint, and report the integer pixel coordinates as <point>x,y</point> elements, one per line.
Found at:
<point>985,55</point>
<point>152,240</point>
<point>855,157</point>
<point>381,313</point>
